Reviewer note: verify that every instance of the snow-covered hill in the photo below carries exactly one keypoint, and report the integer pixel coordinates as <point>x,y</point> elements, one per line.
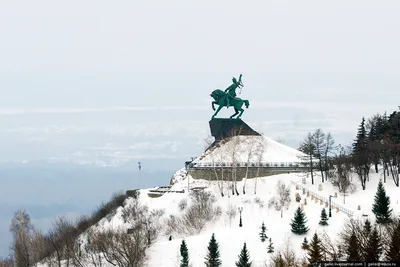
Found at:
<point>165,252</point>
<point>252,149</point>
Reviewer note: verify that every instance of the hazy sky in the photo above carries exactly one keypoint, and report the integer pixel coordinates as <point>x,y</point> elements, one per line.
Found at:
<point>80,54</point>
<point>131,79</point>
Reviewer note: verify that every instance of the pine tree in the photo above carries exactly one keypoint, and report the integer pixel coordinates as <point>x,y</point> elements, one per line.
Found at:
<point>270,247</point>
<point>305,245</point>
<point>361,154</point>
<point>324,218</point>
<point>352,251</point>
<point>367,227</point>
<point>298,223</point>
<point>381,207</point>
<point>262,234</point>
<point>184,255</point>
<point>315,250</point>
<point>374,246</point>
<point>213,257</point>
<point>393,253</point>
<point>244,258</point>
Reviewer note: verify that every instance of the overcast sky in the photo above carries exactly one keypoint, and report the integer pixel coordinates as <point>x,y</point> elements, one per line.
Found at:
<point>80,54</point>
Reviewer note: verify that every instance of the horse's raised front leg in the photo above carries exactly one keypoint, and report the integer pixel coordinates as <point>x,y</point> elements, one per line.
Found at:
<point>212,105</point>
<point>216,112</point>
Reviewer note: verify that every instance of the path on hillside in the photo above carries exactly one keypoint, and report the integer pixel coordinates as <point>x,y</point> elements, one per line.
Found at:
<point>323,199</point>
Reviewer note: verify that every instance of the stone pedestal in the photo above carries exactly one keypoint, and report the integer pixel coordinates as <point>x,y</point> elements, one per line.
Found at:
<point>222,128</point>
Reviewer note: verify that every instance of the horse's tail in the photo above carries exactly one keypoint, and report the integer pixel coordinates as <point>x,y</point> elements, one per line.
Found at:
<point>246,102</point>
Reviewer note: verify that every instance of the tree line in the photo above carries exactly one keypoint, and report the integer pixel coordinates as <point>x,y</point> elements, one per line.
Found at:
<point>377,144</point>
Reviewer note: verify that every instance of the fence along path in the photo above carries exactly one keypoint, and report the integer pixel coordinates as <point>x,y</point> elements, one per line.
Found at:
<point>349,213</point>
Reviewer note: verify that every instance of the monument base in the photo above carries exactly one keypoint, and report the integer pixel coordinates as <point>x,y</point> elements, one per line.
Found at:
<point>223,128</point>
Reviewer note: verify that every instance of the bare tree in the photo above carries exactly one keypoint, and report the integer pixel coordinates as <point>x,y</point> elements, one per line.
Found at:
<point>282,200</point>
<point>121,249</point>
<point>61,239</point>
<point>320,147</point>
<point>308,148</point>
<point>250,150</point>
<point>342,172</point>
<point>286,257</point>
<point>261,148</point>
<point>329,148</point>
<point>151,224</point>
<point>330,249</point>
<point>6,262</point>
<point>215,155</point>
<point>22,231</point>
<point>233,146</point>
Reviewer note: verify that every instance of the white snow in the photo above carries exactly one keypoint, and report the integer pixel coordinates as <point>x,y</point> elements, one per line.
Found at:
<point>230,236</point>
<point>271,152</point>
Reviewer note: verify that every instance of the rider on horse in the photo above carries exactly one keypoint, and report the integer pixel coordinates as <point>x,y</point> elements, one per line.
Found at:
<point>231,90</point>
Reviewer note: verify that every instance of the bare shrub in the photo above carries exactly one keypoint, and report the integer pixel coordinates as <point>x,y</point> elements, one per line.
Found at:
<point>119,248</point>
<point>246,201</point>
<point>330,248</point>
<point>182,204</point>
<point>107,210</point>
<point>196,215</point>
<point>61,239</point>
<point>151,224</point>
<point>282,200</point>
<point>286,258</point>
<point>134,211</point>
<point>6,262</point>
<point>231,213</point>
<point>258,201</point>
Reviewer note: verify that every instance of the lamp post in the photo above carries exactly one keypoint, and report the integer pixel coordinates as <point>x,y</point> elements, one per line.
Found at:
<point>240,220</point>
<point>188,164</point>
<point>330,206</point>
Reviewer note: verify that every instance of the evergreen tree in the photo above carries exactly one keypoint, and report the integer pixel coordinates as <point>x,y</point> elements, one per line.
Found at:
<point>262,234</point>
<point>381,207</point>
<point>393,253</point>
<point>305,245</point>
<point>352,251</point>
<point>361,154</point>
<point>367,227</point>
<point>244,258</point>
<point>374,246</point>
<point>324,218</point>
<point>184,255</point>
<point>298,223</point>
<point>315,250</point>
<point>213,257</point>
<point>270,246</point>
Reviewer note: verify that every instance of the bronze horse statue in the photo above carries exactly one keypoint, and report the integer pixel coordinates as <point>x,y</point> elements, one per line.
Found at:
<point>221,100</point>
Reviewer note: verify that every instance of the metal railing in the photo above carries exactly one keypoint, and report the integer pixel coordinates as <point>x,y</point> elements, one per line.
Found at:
<point>349,212</point>
<point>244,164</point>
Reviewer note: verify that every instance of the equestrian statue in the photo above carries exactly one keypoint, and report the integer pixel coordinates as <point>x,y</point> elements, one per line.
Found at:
<point>228,99</point>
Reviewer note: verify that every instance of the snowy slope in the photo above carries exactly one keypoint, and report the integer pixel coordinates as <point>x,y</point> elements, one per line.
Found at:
<point>255,210</point>
<point>231,237</point>
<point>250,147</point>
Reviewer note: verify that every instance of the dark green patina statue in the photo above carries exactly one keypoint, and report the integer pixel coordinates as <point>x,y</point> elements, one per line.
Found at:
<point>228,98</point>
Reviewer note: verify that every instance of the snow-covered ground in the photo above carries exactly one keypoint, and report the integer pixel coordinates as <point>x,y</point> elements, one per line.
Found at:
<point>231,237</point>
<point>252,149</point>
<point>165,252</point>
